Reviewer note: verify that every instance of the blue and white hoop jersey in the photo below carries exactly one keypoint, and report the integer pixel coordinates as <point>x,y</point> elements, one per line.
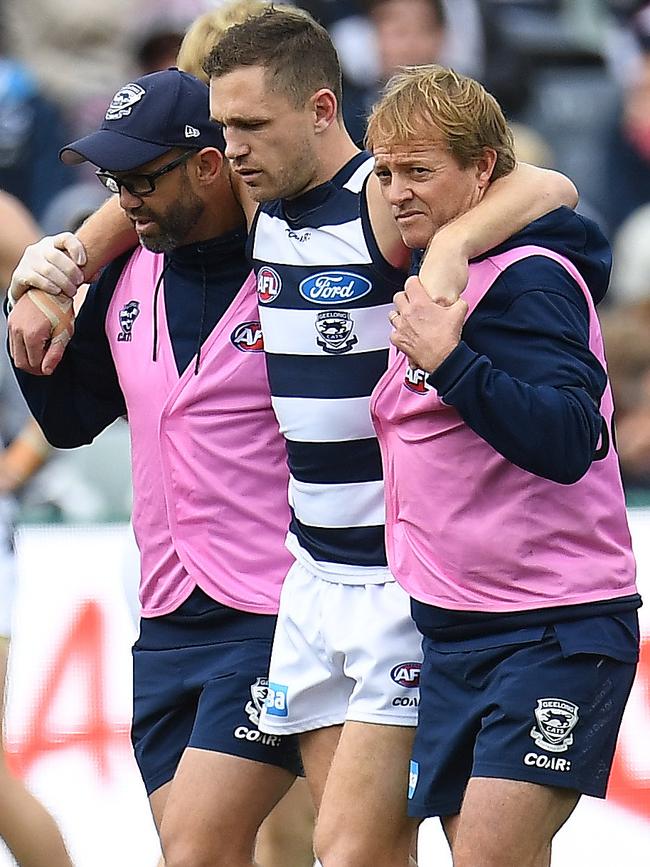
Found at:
<point>324,292</point>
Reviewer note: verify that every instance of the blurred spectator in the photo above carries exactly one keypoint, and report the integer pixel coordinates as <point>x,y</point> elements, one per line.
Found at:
<point>629,147</point>
<point>29,165</point>
<point>68,210</point>
<point>158,31</point>
<point>631,269</point>
<point>625,330</point>
<point>404,33</point>
<point>457,33</point>
<point>77,50</point>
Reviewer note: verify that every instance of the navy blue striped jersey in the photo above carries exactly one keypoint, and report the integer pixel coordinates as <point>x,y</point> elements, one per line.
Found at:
<point>325,292</point>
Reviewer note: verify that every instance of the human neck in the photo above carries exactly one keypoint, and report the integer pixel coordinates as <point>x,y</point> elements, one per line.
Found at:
<point>337,150</point>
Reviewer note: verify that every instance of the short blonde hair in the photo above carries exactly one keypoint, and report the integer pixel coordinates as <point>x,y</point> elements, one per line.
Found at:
<point>204,33</point>
<point>420,100</point>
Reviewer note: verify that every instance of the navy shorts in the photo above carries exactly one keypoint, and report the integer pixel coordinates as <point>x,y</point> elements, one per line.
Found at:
<point>200,680</point>
<point>539,704</point>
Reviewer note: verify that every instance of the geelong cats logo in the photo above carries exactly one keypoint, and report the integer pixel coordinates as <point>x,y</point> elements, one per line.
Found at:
<point>335,328</point>
<point>128,314</point>
<point>556,719</point>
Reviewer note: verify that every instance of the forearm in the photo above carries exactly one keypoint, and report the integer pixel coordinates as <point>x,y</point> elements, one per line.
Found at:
<point>510,204</point>
<point>106,234</point>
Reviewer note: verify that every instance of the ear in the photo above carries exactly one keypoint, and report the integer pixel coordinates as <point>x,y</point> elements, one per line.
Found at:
<point>485,167</point>
<point>325,108</point>
<point>208,165</point>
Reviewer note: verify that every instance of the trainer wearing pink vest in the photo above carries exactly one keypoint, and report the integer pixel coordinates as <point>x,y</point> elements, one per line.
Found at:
<point>505,511</point>
<point>169,337</point>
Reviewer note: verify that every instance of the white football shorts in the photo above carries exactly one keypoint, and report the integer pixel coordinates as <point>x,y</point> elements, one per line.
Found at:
<point>341,652</point>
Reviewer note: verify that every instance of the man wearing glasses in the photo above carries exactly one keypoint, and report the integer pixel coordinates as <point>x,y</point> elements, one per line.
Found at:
<point>169,336</point>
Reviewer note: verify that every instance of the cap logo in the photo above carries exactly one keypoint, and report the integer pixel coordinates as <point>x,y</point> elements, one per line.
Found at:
<point>124,100</point>
<point>191,131</point>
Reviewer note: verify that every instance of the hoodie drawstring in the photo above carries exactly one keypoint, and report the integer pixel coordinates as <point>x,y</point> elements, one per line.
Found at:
<point>204,305</point>
<point>154,354</point>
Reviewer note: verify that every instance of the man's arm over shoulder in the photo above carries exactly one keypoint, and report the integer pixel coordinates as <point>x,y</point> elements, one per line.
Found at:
<point>82,396</point>
<point>510,204</point>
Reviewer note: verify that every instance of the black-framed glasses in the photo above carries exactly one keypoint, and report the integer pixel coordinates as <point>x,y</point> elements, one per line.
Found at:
<point>144,184</point>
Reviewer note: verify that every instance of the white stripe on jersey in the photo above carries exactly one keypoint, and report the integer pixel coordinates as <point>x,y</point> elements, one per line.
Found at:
<point>357,504</point>
<point>327,246</point>
<point>293,332</point>
<point>318,420</point>
<point>356,182</point>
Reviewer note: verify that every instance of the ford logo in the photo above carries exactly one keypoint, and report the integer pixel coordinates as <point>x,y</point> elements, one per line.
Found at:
<point>334,287</point>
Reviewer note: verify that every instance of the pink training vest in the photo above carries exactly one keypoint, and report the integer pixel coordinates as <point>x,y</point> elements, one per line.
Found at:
<point>466,529</point>
<point>209,465</point>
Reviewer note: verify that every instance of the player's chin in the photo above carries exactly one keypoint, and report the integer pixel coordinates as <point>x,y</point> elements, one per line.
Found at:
<point>261,193</point>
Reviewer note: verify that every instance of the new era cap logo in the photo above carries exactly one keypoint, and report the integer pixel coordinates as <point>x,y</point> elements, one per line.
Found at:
<point>191,131</point>
<point>124,100</point>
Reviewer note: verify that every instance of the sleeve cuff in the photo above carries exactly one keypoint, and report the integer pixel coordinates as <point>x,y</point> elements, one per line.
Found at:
<point>452,369</point>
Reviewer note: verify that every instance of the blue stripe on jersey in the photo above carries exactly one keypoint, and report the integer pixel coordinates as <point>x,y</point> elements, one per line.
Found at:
<point>335,463</point>
<point>325,377</point>
<point>326,545</point>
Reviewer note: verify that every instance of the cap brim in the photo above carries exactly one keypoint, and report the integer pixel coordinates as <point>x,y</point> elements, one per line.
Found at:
<point>111,151</point>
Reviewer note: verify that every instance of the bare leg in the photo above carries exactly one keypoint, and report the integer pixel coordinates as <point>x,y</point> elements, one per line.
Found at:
<point>27,828</point>
<point>365,794</point>
<point>507,823</point>
<point>317,749</point>
<point>210,813</point>
<point>285,838</point>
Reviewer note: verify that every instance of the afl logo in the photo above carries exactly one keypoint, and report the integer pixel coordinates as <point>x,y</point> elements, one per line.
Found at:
<point>407,674</point>
<point>334,287</point>
<point>247,337</point>
<point>268,284</point>
<point>416,380</point>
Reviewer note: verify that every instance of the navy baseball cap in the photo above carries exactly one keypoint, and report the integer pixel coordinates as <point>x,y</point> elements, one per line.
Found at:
<point>147,118</point>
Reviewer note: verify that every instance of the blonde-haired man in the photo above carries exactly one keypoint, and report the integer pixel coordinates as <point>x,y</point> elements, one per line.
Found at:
<point>506,518</point>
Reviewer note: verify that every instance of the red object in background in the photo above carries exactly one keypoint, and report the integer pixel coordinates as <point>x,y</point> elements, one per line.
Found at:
<point>83,649</point>
<point>625,786</point>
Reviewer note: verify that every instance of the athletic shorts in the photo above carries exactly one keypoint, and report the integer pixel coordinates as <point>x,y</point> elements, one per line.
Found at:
<point>342,652</point>
<point>539,705</point>
<point>200,680</point>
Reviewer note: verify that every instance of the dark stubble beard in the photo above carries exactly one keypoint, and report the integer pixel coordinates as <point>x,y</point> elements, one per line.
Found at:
<point>175,224</point>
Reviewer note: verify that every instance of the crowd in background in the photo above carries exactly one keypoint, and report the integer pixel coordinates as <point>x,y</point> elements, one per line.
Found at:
<point>573,77</point>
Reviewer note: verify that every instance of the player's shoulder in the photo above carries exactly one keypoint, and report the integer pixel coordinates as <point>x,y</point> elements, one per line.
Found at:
<point>384,227</point>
